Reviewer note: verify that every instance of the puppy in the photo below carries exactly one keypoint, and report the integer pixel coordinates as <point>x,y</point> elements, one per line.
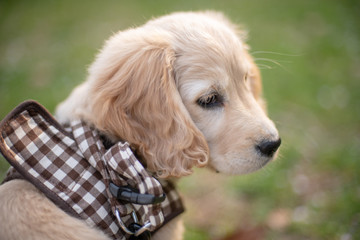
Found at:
<point>183,91</point>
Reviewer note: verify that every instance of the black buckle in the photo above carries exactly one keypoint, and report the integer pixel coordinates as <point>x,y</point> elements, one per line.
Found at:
<point>129,194</point>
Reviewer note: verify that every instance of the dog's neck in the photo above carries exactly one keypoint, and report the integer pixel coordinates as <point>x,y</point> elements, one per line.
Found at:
<point>108,143</point>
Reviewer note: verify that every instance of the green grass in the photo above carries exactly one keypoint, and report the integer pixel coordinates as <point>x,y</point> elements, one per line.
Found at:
<point>311,83</point>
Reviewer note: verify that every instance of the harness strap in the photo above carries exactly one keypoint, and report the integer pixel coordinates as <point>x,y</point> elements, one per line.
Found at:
<point>76,172</point>
<point>119,166</point>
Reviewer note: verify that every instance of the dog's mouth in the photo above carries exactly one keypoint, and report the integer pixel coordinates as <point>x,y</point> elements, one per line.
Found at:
<point>234,164</point>
<point>263,162</point>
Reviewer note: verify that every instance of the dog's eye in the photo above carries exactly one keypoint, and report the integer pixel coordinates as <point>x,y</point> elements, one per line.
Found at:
<point>211,101</point>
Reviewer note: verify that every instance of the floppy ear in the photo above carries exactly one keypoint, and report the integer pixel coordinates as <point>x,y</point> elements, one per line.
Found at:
<point>134,97</point>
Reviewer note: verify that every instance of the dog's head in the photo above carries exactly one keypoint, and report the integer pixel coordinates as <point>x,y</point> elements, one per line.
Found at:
<point>184,92</point>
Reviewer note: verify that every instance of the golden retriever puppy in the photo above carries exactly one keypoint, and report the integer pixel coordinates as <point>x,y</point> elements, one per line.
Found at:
<point>183,91</point>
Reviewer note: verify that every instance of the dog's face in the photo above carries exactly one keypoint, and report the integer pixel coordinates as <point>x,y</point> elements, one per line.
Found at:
<point>232,120</point>
<point>220,87</point>
<point>184,91</point>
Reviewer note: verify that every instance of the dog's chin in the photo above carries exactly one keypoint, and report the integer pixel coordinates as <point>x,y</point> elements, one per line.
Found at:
<point>239,166</point>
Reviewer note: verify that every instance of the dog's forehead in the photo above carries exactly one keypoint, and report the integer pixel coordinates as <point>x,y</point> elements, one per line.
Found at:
<point>191,90</point>
<point>209,69</point>
<point>213,56</point>
<point>209,53</point>
<point>199,33</point>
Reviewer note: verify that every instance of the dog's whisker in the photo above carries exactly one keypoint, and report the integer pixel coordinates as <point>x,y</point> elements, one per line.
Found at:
<point>276,53</point>
<point>277,62</point>
<point>263,66</point>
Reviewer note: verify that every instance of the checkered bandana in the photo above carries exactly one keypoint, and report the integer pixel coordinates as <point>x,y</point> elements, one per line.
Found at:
<point>74,169</point>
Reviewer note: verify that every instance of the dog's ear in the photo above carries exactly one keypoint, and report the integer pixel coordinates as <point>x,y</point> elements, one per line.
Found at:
<point>134,97</point>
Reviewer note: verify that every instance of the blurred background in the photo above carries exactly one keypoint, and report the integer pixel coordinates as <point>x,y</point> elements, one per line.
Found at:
<point>309,55</point>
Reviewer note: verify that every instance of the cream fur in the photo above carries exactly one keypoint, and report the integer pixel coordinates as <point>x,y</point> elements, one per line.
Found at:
<point>143,87</point>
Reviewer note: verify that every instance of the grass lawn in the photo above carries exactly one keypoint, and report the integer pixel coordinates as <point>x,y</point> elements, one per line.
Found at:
<point>309,54</point>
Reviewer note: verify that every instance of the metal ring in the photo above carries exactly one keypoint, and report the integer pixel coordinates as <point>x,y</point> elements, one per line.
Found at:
<point>145,227</point>
<point>121,223</point>
<point>134,217</point>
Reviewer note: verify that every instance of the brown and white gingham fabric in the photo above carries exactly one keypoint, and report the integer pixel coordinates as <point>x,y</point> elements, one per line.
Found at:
<point>74,170</point>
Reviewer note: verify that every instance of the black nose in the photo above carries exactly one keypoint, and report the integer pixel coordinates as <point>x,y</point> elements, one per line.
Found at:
<point>268,148</point>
